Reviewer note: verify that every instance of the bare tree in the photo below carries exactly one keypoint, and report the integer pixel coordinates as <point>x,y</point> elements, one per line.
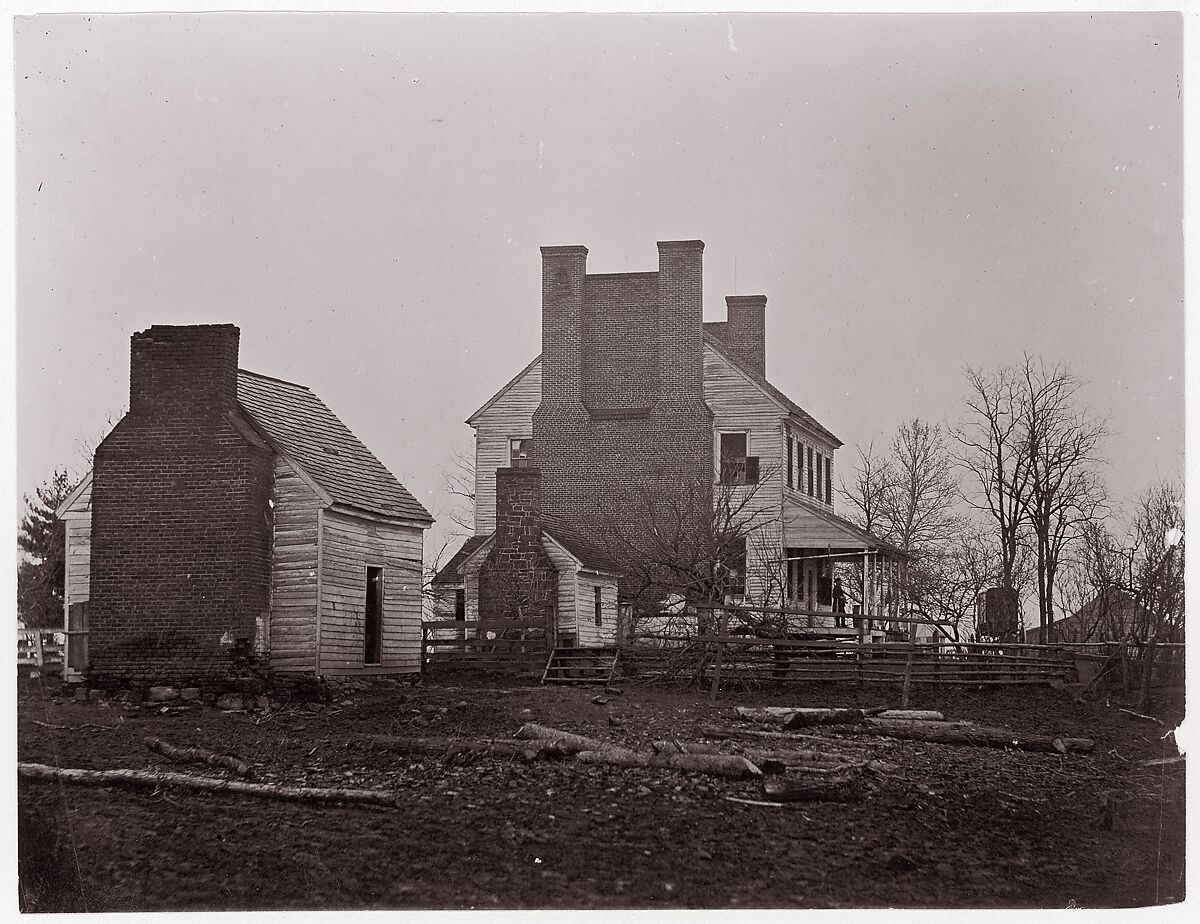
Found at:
<point>908,498</point>
<point>686,545</point>
<point>865,498</point>
<point>1158,561</point>
<point>1064,491</point>
<point>458,481</point>
<point>993,449</point>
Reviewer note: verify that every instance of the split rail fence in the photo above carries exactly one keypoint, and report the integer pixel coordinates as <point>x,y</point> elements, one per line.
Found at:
<point>735,658</point>
<point>502,645</point>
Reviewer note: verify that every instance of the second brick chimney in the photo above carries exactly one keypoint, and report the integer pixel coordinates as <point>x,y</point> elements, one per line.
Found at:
<point>745,331</point>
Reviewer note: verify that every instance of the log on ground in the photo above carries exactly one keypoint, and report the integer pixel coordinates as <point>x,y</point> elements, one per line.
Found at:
<point>462,748</point>
<point>976,736</point>
<point>726,765</point>
<point>814,785</point>
<point>201,756</point>
<point>570,743</point>
<point>146,779</point>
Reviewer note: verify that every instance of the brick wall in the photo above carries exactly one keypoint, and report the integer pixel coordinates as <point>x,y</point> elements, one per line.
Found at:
<point>622,411</point>
<point>517,579</point>
<point>181,527</point>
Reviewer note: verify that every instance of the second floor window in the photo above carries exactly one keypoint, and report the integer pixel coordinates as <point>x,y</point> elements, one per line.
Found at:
<point>518,452</point>
<point>736,466</point>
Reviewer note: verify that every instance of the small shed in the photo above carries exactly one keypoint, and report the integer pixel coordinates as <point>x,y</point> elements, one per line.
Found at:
<point>242,515</point>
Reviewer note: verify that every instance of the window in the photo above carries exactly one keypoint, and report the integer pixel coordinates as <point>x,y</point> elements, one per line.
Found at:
<point>810,470</point>
<point>518,451</point>
<point>736,466</point>
<point>373,624</point>
<point>789,461</point>
<point>733,565</point>
<point>599,611</point>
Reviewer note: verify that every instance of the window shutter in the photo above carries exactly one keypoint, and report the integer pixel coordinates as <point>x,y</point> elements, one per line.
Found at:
<point>810,471</point>
<point>789,462</point>
<point>829,480</point>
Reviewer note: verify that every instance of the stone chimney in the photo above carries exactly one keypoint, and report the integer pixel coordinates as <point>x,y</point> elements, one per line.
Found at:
<point>518,511</point>
<point>517,579</point>
<point>745,330</point>
<point>187,370</point>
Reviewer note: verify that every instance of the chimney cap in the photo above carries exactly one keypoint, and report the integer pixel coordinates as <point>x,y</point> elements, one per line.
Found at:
<point>680,246</point>
<point>565,250</point>
<point>745,301</point>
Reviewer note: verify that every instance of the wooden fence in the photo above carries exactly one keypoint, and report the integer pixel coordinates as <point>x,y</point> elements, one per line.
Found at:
<point>504,645</point>
<point>741,659</point>
<point>39,650</point>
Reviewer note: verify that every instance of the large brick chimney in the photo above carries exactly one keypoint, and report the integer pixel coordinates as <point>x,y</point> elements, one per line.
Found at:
<point>637,421</point>
<point>181,527</point>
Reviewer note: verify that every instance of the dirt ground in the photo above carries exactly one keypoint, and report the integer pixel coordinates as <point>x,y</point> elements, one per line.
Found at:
<point>953,827</point>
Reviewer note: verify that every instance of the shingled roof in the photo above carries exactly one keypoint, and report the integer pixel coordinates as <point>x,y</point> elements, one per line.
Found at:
<point>299,425</point>
<point>448,574</point>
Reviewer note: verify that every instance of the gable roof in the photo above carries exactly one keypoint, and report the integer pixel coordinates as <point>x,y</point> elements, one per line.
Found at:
<point>577,546</point>
<point>789,405</point>
<point>503,391</point>
<point>82,490</point>
<point>449,573</point>
<point>299,425</point>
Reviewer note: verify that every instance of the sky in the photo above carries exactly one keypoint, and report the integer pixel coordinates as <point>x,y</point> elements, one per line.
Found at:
<point>365,196</point>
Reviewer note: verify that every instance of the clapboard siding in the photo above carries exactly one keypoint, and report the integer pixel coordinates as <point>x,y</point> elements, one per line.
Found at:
<point>565,567</point>
<point>292,633</point>
<point>349,545</point>
<point>77,523</point>
<point>77,579</point>
<point>589,634</point>
<point>511,416</point>
<point>739,404</point>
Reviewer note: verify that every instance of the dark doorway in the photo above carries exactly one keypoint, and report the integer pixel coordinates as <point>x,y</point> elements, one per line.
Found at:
<point>374,621</point>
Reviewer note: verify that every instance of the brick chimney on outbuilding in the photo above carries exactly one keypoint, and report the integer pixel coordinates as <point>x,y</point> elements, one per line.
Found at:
<point>181,525</point>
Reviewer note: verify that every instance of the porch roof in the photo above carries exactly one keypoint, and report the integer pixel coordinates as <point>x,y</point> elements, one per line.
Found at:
<point>808,526</point>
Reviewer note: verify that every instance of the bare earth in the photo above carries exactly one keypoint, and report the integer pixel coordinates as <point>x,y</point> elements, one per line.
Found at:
<point>953,827</point>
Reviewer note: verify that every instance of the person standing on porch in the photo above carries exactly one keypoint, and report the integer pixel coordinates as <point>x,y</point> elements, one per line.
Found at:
<point>839,602</point>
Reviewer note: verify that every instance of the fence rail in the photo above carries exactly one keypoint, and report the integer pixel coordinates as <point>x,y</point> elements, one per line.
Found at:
<point>39,649</point>
<point>504,645</point>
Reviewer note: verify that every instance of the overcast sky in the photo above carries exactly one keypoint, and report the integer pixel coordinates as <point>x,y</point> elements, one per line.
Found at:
<point>364,196</point>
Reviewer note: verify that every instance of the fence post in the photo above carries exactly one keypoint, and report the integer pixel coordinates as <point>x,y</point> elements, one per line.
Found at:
<point>722,629</point>
<point>38,653</point>
<point>912,645</point>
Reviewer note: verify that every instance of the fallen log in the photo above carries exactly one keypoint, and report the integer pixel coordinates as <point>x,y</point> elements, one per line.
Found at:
<point>840,785</point>
<point>783,715</point>
<point>977,736</point>
<point>727,765</point>
<point>201,756</point>
<point>570,743</point>
<point>746,734</point>
<point>799,758</point>
<point>882,722</point>
<point>1139,715</point>
<point>683,747</point>
<point>457,748</point>
<point>147,779</point>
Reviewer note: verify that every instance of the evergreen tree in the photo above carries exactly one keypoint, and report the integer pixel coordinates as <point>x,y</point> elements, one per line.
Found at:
<point>42,540</point>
